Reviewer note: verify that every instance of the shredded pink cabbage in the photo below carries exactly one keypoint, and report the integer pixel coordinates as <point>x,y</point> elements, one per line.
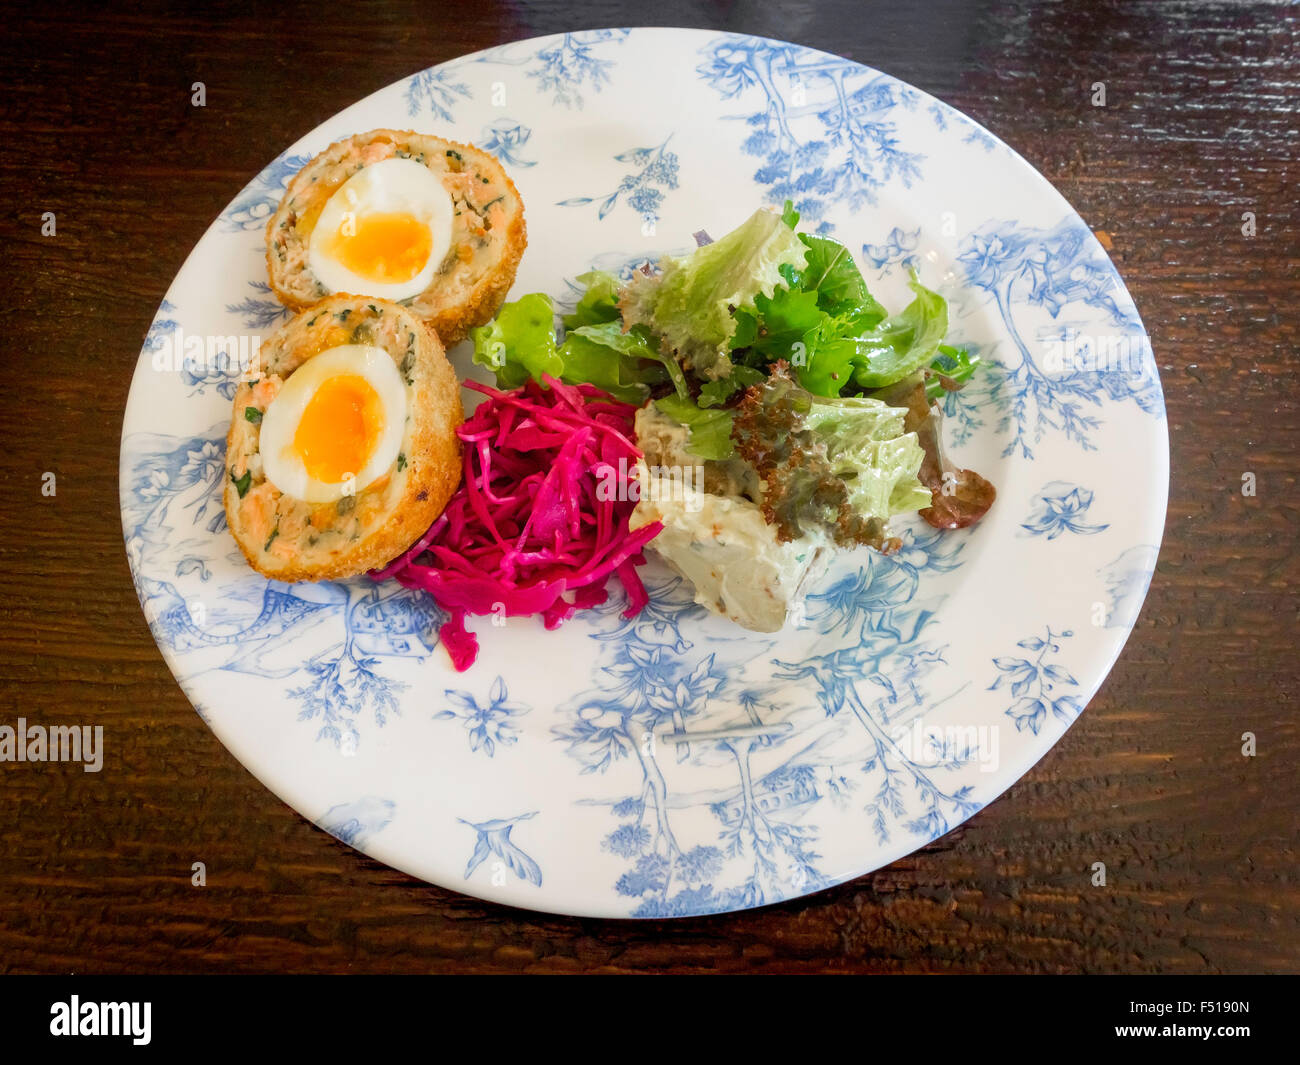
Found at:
<point>528,532</point>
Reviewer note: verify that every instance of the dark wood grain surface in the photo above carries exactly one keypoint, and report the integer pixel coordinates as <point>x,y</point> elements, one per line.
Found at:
<point>1201,843</point>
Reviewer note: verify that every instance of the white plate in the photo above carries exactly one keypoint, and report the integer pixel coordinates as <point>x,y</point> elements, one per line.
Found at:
<point>679,765</point>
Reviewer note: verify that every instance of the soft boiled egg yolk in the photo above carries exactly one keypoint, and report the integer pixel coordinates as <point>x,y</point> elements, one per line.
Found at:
<point>383,232</point>
<point>336,425</point>
<point>387,247</point>
<point>339,428</point>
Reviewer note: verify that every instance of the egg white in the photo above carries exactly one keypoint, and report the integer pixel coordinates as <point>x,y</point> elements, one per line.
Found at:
<point>392,185</point>
<point>282,465</point>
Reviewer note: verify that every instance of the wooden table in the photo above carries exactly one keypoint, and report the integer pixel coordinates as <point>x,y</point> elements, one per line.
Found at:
<point>1201,125</point>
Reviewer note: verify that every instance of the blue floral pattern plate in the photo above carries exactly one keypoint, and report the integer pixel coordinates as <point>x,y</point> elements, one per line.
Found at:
<point>675,764</point>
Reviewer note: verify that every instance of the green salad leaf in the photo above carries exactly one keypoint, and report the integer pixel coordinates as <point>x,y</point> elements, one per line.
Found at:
<point>813,320</point>
<point>626,365</point>
<point>690,303</point>
<point>903,342</point>
<point>710,436</point>
<point>519,342</point>
<point>716,393</point>
<point>833,275</point>
<point>774,327</point>
<point>599,301</point>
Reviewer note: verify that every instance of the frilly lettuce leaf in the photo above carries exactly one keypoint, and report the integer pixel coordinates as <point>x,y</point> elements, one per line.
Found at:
<point>842,465</point>
<point>690,303</point>
<point>866,445</point>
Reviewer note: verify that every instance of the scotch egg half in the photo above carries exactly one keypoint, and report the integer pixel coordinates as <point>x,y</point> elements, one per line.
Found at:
<point>342,450</point>
<point>430,223</point>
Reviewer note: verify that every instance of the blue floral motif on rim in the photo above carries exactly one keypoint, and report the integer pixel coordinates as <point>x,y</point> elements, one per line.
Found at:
<point>259,201</point>
<point>1127,578</point>
<point>1032,680</point>
<point>565,68</point>
<point>655,170</point>
<point>261,310</point>
<point>1061,507</point>
<point>355,822</point>
<point>823,128</point>
<point>1025,270</point>
<point>489,724</point>
<point>172,506</point>
<point>493,840</point>
<point>899,249</point>
<point>434,89</point>
<point>507,139</point>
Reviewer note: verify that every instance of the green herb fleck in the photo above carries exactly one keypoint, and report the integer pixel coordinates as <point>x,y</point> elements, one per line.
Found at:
<point>252,414</point>
<point>347,505</point>
<point>241,483</point>
<point>271,539</point>
<point>342,315</point>
<point>401,461</point>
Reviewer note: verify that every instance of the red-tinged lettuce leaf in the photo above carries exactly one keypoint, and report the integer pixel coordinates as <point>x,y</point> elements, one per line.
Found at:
<point>839,465</point>
<point>959,497</point>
